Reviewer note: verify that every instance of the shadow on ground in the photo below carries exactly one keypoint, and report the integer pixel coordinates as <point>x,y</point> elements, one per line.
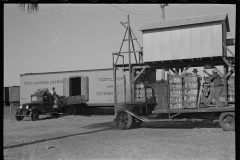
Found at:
<point>180,125</point>
<point>97,127</point>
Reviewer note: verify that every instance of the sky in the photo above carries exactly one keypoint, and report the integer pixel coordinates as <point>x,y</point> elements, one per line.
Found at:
<point>66,37</point>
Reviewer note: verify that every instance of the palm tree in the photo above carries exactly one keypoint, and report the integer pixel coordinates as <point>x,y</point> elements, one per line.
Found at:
<point>31,7</point>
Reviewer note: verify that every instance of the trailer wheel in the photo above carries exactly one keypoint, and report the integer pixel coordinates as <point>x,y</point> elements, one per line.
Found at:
<point>124,120</point>
<point>34,115</point>
<point>227,121</point>
<point>17,117</point>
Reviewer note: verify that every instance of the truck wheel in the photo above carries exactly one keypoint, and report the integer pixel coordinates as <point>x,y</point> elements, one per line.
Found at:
<point>124,120</point>
<point>18,118</point>
<point>34,115</point>
<point>227,121</point>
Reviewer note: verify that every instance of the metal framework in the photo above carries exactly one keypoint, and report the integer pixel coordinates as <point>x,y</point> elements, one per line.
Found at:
<point>129,37</point>
<point>171,65</point>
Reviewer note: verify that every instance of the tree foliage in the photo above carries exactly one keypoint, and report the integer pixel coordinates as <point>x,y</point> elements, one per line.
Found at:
<point>31,7</point>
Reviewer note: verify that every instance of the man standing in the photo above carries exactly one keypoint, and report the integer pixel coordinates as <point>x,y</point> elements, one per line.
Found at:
<point>53,92</point>
<point>55,97</point>
<point>195,73</point>
<point>217,89</point>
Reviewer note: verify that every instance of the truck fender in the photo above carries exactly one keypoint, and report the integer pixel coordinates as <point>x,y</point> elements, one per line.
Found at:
<point>34,108</point>
<point>133,114</point>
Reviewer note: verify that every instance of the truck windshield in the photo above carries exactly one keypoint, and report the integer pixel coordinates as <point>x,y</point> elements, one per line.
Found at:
<point>36,99</point>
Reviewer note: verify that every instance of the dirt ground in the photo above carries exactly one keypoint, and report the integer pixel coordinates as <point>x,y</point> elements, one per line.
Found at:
<point>97,138</point>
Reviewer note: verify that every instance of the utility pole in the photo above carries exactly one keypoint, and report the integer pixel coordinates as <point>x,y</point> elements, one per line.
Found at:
<point>163,11</point>
<point>163,17</point>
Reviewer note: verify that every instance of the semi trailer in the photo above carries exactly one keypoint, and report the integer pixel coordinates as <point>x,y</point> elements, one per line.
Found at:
<point>175,46</point>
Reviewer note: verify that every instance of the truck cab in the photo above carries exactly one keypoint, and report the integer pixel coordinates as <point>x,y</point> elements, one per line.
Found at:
<point>41,103</point>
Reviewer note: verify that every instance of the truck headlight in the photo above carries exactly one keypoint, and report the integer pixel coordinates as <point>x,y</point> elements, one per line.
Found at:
<point>27,106</point>
<point>20,107</point>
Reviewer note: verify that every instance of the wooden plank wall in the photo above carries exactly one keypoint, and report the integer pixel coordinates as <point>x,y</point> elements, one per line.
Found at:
<point>185,42</point>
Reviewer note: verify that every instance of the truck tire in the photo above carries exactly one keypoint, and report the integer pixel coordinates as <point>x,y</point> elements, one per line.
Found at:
<point>124,120</point>
<point>18,118</point>
<point>34,115</point>
<point>227,121</point>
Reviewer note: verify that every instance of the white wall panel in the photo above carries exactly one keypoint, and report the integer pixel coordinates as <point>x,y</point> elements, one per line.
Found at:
<point>218,39</point>
<point>185,42</point>
<point>147,40</point>
<point>166,45</point>
<point>100,84</point>
<point>196,43</point>
<point>176,42</point>
<point>207,41</point>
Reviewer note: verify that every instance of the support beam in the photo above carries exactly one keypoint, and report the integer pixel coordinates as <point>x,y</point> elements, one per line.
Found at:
<point>123,72</point>
<point>121,46</point>
<point>172,70</point>
<point>114,86</point>
<point>125,52</point>
<point>129,58</point>
<point>225,89</point>
<point>226,61</point>
<point>176,71</point>
<point>228,49</point>
<point>139,74</point>
<point>222,75</point>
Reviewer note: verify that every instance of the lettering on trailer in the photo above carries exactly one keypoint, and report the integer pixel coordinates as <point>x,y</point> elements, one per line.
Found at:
<point>104,93</point>
<point>43,82</point>
<point>28,83</point>
<point>109,86</point>
<point>110,79</point>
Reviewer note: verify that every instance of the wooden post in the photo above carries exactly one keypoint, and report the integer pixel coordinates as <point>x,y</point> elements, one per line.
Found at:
<point>129,56</point>
<point>132,85</point>
<point>225,89</point>
<point>114,86</point>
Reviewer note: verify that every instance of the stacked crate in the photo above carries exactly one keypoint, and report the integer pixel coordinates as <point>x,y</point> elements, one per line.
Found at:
<point>191,89</point>
<point>149,92</point>
<point>231,89</point>
<point>175,87</point>
<point>139,92</point>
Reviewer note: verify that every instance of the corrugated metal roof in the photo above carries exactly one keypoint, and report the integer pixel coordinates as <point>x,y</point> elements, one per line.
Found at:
<point>188,21</point>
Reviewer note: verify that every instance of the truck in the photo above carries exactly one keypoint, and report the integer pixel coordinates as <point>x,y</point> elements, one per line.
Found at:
<point>173,47</point>
<point>42,102</point>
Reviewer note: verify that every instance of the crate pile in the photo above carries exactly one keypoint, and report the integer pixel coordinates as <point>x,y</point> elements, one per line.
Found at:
<point>231,89</point>
<point>139,92</point>
<point>175,87</point>
<point>191,90</point>
<point>42,91</point>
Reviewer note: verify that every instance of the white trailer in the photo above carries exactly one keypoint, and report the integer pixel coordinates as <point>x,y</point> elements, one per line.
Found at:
<point>97,85</point>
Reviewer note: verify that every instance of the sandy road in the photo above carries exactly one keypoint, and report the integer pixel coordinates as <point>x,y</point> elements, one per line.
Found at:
<point>96,137</point>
